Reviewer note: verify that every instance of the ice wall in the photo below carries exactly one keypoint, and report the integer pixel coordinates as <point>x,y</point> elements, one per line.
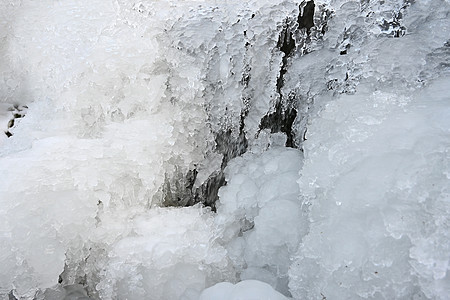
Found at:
<point>315,132</point>
<point>97,145</point>
<point>378,197</point>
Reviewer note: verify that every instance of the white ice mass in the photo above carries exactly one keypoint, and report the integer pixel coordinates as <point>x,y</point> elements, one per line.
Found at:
<point>206,149</point>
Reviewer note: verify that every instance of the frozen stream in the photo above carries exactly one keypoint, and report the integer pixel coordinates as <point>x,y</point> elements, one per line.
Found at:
<point>212,150</point>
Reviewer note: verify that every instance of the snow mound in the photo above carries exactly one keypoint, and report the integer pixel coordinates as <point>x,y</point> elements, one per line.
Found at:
<point>244,290</point>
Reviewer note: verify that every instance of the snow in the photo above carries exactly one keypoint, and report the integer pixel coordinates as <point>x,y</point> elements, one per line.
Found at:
<point>125,98</point>
<point>247,289</point>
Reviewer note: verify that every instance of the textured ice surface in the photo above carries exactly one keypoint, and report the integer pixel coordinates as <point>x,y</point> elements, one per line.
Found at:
<point>376,179</point>
<point>375,173</point>
<point>98,145</point>
<point>260,213</point>
<point>132,104</point>
<point>172,254</point>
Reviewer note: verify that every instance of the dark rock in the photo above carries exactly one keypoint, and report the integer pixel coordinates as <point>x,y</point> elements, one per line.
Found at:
<point>285,41</point>
<point>306,17</point>
<point>281,121</point>
<point>11,296</point>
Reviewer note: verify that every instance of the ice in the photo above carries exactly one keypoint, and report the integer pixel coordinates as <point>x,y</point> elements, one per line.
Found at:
<point>261,214</point>
<point>389,178</point>
<point>172,253</point>
<point>101,138</point>
<point>211,164</point>
<point>330,154</point>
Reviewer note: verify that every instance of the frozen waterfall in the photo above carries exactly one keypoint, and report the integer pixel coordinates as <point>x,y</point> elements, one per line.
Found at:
<point>208,149</point>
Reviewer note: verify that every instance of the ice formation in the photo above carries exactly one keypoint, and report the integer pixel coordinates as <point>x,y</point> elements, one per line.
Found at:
<point>261,214</point>
<point>224,149</point>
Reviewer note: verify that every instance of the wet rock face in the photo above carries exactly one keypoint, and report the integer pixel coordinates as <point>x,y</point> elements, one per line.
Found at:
<point>283,116</point>
<point>182,191</point>
<point>286,43</point>
<point>14,113</point>
<point>299,33</point>
<point>233,136</point>
<point>281,120</point>
<point>306,16</point>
